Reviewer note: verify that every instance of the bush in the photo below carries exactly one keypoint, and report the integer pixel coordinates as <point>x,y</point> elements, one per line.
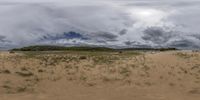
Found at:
<point>82,57</point>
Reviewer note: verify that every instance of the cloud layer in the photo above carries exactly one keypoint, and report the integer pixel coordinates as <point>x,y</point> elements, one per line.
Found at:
<point>120,23</point>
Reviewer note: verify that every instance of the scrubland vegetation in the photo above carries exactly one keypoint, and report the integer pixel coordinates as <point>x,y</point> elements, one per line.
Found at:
<point>61,75</point>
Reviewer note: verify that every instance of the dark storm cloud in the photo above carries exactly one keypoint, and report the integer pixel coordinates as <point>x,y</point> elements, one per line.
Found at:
<point>129,43</point>
<point>166,38</point>
<point>184,44</point>
<point>157,35</point>
<point>65,35</point>
<point>197,36</point>
<point>4,43</point>
<point>75,37</point>
<point>3,39</point>
<point>135,44</point>
<point>123,32</point>
<point>106,36</point>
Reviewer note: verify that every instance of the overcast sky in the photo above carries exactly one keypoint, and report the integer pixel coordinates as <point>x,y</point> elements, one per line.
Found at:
<point>116,23</point>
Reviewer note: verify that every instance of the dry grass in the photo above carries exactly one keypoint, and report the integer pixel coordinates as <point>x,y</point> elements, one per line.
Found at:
<point>131,72</point>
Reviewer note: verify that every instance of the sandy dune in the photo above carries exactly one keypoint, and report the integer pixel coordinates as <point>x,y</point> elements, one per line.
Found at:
<point>173,75</point>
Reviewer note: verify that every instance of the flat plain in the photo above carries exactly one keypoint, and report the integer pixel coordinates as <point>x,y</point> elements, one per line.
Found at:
<point>87,75</point>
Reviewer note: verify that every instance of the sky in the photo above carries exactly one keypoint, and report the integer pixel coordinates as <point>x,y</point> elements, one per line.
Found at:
<point>110,23</point>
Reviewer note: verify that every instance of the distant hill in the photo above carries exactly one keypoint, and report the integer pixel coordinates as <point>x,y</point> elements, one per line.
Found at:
<point>151,49</point>
<point>62,48</point>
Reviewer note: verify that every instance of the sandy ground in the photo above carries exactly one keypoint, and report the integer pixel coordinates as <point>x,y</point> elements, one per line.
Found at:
<point>173,75</point>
